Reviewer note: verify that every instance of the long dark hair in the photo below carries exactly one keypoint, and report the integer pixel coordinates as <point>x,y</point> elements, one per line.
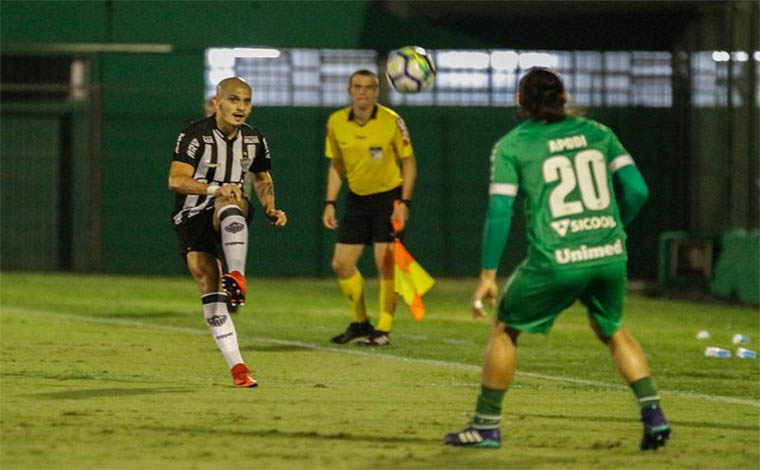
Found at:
<point>542,95</point>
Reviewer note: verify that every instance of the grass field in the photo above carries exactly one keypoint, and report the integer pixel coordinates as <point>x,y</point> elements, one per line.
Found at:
<point>120,372</point>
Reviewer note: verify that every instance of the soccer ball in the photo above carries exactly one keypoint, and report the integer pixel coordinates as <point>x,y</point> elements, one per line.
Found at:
<point>410,69</point>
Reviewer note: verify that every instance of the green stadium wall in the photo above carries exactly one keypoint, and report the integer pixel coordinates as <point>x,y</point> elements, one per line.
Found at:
<point>147,98</point>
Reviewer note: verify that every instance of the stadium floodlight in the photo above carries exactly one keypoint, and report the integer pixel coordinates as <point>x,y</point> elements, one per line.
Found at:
<point>462,60</point>
<point>756,55</point>
<point>224,58</point>
<point>473,80</point>
<point>504,60</point>
<point>255,53</point>
<point>217,75</point>
<point>720,56</point>
<point>740,56</point>
<point>537,59</point>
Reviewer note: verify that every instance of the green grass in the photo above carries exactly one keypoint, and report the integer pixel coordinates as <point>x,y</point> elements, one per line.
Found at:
<point>120,372</point>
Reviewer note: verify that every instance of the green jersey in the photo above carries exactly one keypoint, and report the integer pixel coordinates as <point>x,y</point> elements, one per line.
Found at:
<point>564,171</point>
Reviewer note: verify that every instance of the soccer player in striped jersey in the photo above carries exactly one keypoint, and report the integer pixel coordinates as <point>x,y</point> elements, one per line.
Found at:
<point>563,167</point>
<point>214,159</point>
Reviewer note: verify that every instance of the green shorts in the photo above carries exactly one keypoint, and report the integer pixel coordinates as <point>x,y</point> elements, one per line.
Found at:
<point>534,297</point>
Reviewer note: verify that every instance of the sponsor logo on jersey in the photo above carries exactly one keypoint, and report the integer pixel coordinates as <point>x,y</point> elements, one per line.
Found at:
<point>266,150</point>
<point>567,143</point>
<point>586,253</point>
<point>404,131</point>
<point>234,227</point>
<point>208,139</point>
<point>179,139</point>
<point>217,320</point>
<point>192,149</point>
<point>583,225</point>
<point>376,153</point>
<point>251,139</point>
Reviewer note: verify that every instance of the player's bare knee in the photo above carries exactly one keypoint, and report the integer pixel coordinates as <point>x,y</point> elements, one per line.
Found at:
<point>342,268</point>
<point>500,328</point>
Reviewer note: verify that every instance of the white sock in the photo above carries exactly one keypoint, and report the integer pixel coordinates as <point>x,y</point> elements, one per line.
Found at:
<point>221,327</point>
<point>234,231</point>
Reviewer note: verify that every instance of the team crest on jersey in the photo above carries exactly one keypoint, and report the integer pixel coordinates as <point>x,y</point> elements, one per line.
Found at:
<point>251,139</point>
<point>208,139</point>
<point>192,149</point>
<point>376,153</point>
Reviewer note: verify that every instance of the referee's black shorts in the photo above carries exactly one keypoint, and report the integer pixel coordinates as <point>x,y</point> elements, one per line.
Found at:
<point>368,218</point>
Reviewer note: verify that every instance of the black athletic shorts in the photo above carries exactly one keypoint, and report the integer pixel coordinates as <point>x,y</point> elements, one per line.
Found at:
<point>197,234</point>
<point>368,218</point>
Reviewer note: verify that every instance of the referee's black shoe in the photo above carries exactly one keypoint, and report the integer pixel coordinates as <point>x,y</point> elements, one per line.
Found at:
<point>354,330</point>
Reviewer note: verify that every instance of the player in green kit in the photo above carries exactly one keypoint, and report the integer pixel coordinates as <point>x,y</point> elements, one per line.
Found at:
<point>563,167</point>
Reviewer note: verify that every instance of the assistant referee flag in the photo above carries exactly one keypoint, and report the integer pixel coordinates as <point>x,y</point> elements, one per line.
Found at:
<point>411,281</point>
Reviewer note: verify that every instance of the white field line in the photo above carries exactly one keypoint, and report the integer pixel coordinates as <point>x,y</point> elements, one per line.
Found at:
<point>318,347</point>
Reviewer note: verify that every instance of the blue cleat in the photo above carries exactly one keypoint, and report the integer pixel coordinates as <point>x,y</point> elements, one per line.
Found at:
<point>656,428</point>
<point>473,437</point>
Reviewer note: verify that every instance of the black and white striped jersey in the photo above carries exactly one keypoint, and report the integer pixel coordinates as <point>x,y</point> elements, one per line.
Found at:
<point>217,160</point>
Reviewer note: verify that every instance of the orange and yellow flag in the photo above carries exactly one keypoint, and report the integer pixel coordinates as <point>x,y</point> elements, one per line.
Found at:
<point>411,280</point>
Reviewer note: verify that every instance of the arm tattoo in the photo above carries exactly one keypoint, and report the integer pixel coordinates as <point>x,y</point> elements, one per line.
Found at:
<point>264,188</point>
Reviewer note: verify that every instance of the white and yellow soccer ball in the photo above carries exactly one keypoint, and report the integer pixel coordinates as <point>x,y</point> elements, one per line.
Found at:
<point>410,69</point>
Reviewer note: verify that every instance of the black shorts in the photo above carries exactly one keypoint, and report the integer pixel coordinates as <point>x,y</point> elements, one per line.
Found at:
<point>197,234</point>
<point>368,218</point>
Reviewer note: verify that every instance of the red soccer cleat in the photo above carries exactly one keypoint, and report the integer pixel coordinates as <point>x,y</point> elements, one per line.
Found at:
<point>242,377</point>
<point>234,284</point>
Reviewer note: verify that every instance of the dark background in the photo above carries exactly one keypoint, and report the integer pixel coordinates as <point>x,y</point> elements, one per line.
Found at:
<point>84,181</point>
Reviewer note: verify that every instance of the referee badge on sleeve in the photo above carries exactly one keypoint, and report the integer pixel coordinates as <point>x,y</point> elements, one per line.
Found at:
<point>376,153</point>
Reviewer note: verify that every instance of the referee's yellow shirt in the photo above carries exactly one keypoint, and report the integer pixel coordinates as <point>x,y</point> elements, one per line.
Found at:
<point>371,153</point>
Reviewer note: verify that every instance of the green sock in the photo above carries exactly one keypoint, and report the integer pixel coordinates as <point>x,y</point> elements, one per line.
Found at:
<point>488,409</point>
<point>645,392</point>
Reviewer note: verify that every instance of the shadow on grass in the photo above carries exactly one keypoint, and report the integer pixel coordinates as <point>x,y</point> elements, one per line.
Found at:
<point>675,424</point>
<point>108,392</point>
<point>276,433</point>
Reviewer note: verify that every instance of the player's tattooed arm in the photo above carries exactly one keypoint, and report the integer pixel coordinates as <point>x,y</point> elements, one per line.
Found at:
<point>264,188</point>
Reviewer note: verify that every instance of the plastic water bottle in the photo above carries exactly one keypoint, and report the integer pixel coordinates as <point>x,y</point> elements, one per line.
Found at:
<point>744,353</point>
<point>713,351</point>
<point>740,339</point>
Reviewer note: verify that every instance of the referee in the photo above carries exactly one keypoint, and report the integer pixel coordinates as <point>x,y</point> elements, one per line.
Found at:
<point>213,157</point>
<point>368,145</point>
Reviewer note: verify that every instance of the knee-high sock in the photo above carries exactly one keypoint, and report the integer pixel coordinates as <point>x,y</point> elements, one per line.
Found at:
<point>234,232</point>
<point>387,305</point>
<point>646,394</point>
<point>353,290</point>
<point>221,327</point>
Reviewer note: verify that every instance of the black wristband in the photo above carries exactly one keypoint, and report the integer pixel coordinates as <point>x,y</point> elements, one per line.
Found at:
<point>332,203</point>
<point>407,203</point>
